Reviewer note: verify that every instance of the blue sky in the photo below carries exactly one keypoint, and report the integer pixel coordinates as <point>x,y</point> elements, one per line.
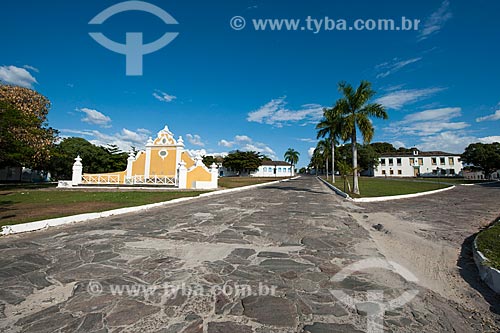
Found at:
<point>223,89</point>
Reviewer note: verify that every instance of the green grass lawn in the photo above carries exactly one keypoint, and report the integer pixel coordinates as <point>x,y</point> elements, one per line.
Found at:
<point>26,205</point>
<point>488,242</point>
<point>380,187</point>
<point>232,182</point>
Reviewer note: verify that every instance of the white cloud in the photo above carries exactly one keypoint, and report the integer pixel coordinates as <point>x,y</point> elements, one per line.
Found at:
<point>195,140</point>
<point>398,144</point>
<point>225,143</point>
<point>276,113</point>
<point>307,140</point>
<point>16,76</point>
<point>242,138</point>
<point>143,131</point>
<point>435,22</point>
<point>399,98</point>
<point>451,142</point>
<point>428,122</point>
<point>435,114</point>
<point>387,68</point>
<point>31,68</point>
<point>163,96</point>
<point>490,139</point>
<point>124,139</point>
<point>95,117</point>
<point>494,116</point>
<point>310,151</point>
<point>196,152</point>
<point>245,143</point>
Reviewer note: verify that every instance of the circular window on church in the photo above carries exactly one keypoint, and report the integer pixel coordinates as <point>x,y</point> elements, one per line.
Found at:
<point>163,153</point>
<point>164,141</point>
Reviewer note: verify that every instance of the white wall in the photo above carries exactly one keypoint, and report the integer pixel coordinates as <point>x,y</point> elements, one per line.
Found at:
<point>268,171</point>
<point>424,164</point>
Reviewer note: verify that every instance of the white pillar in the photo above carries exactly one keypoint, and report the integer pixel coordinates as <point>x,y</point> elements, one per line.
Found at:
<point>178,153</point>
<point>182,175</point>
<point>147,165</point>
<point>130,163</point>
<point>215,175</point>
<point>77,171</point>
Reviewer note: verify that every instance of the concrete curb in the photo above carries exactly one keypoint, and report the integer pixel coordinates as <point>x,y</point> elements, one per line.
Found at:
<point>493,182</point>
<point>402,196</point>
<point>490,275</point>
<point>386,198</point>
<point>44,224</point>
<point>335,189</point>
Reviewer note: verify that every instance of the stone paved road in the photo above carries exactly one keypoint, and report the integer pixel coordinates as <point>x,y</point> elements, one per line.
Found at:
<point>290,238</point>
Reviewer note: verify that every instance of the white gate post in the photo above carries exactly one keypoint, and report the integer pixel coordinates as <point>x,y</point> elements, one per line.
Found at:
<point>215,175</point>
<point>182,175</point>
<point>77,171</point>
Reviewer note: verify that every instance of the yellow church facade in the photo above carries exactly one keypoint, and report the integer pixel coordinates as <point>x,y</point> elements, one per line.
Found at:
<point>164,162</point>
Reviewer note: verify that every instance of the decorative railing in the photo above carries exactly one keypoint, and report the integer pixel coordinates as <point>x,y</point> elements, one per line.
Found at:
<point>101,179</point>
<point>152,180</point>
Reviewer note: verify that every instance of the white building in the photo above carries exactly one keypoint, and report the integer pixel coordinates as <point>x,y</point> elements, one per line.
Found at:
<point>267,169</point>
<point>418,163</point>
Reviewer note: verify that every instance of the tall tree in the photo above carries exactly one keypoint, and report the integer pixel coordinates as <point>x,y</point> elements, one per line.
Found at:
<point>356,113</point>
<point>331,126</point>
<point>323,148</point>
<point>292,157</point>
<point>29,129</point>
<point>484,156</point>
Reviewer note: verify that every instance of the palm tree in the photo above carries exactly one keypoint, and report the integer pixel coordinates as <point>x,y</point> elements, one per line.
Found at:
<point>331,126</point>
<point>292,157</point>
<point>356,113</point>
<point>323,149</point>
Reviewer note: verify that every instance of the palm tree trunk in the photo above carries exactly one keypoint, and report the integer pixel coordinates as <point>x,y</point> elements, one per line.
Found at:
<point>333,160</point>
<point>355,185</point>
<point>327,167</point>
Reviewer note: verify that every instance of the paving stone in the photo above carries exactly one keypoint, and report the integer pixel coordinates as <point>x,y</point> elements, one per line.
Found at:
<point>267,254</point>
<point>330,328</point>
<point>91,322</point>
<point>194,327</point>
<point>228,327</point>
<point>367,308</point>
<point>243,252</point>
<point>127,312</point>
<point>270,310</point>
<point>284,265</point>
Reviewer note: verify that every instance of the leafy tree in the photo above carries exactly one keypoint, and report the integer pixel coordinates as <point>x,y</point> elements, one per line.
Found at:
<point>356,112</point>
<point>292,157</point>
<point>367,156</point>
<point>25,136</point>
<point>383,147</point>
<point>302,170</point>
<point>331,126</point>
<point>95,159</point>
<point>345,169</point>
<point>485,156</point>
<point>323,150</point>
<point>208,160</point>
<point>242,160</point>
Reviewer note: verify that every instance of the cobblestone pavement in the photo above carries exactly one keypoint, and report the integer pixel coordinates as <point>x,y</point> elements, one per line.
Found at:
<point>281,246</point>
